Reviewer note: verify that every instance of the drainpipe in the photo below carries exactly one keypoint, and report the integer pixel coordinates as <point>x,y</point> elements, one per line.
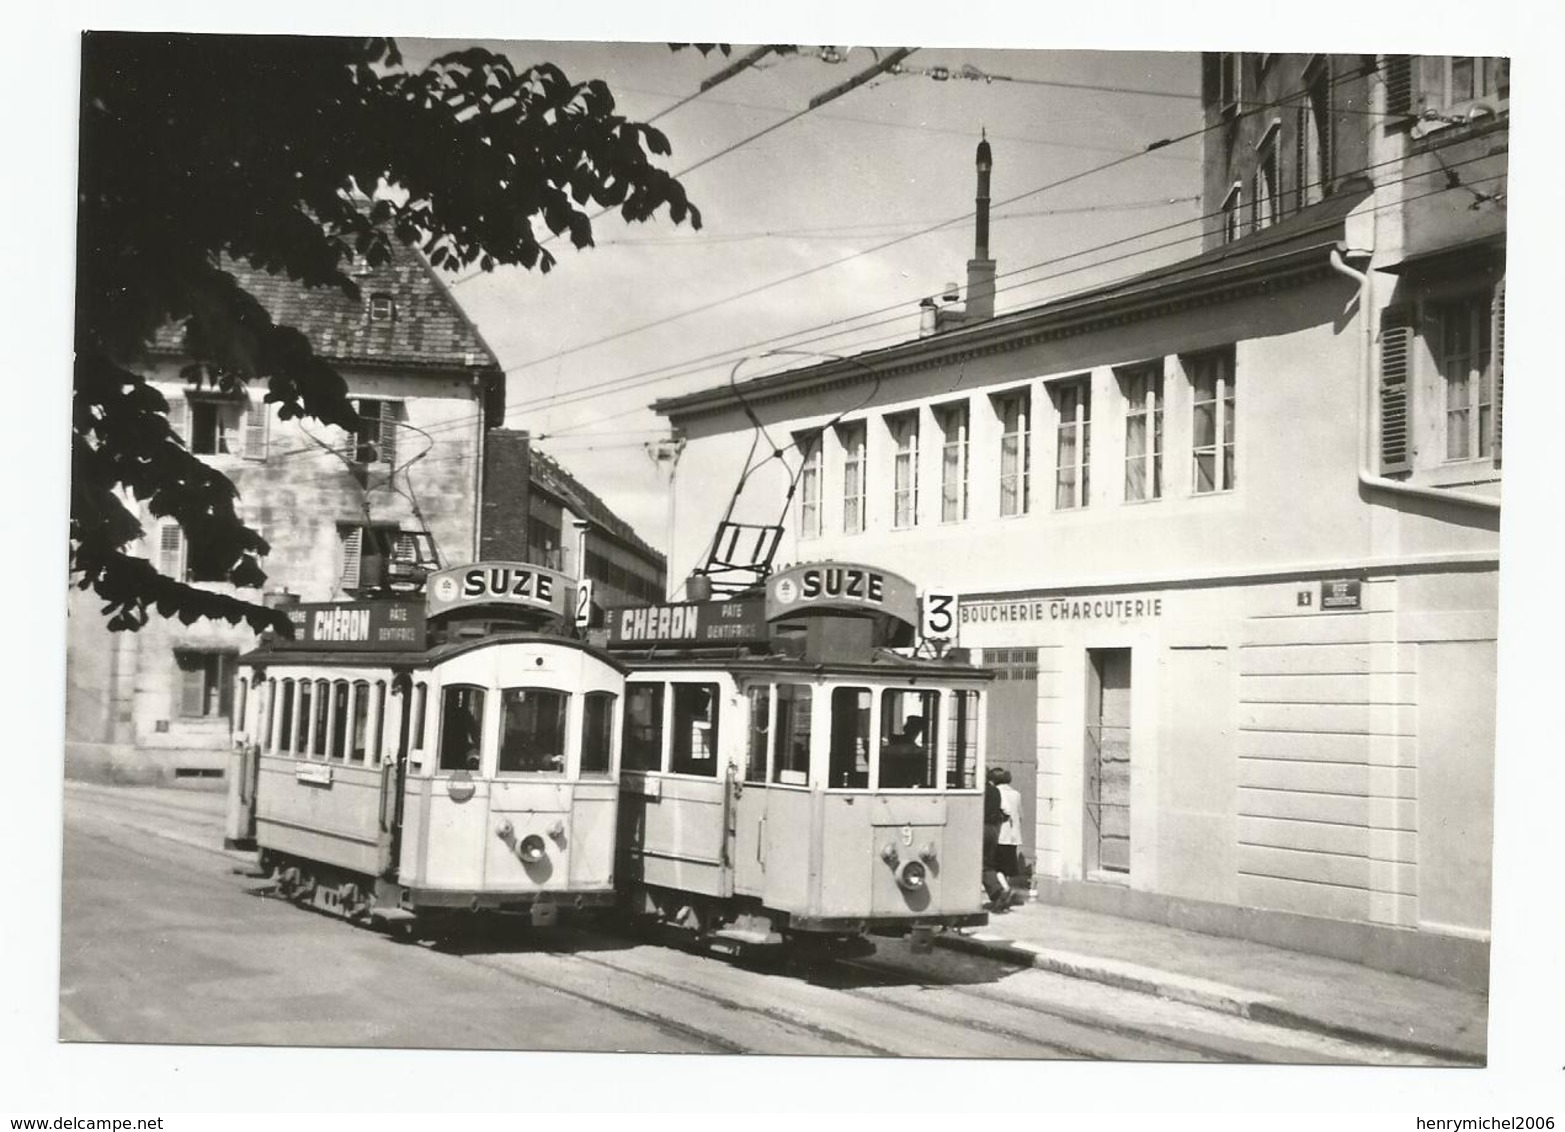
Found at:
<point>1367,476</point>
<point>480,391</point>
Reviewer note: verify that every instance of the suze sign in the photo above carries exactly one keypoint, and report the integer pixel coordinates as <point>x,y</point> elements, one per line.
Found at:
<point>500,583</point>
<point>840,586</point>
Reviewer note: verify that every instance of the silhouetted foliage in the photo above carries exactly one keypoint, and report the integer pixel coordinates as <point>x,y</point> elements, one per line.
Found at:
<point>264,149</point>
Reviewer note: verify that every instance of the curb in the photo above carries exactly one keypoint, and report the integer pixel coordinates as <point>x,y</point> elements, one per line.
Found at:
<point>1192,991</point>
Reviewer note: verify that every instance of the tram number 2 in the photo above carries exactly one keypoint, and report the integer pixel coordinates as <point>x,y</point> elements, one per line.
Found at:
<point>938,615</point>
<point>584,603</point>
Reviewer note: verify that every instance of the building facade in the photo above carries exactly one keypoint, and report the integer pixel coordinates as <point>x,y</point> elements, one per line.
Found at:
<point>1227,530</point>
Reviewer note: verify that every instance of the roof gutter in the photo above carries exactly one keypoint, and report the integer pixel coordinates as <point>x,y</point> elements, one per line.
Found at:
<point>1371,417</point>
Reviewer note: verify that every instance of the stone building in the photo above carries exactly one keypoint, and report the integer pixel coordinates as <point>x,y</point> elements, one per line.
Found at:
<point>1227,530</point>
<point>430,480</point>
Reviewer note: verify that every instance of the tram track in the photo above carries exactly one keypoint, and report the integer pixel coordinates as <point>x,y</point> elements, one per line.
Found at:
<point>675,990</point>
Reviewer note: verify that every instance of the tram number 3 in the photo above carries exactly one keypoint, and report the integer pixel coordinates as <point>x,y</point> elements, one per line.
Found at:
<point>584,603</point>
<point>938,615</point>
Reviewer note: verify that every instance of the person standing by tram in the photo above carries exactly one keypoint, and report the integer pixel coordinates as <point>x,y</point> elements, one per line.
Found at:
<point>996,886</point>
<point>1009,846</point>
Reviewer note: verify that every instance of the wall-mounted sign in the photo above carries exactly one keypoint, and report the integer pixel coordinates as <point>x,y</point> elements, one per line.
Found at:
<point>357,625</point>
<point>840,587</point>
<point>1341,593</point>
<point>584,603</point>
<point>500,583</point>
<point>937,615</point>
<point>698,622</point>
<point>1128,607</point>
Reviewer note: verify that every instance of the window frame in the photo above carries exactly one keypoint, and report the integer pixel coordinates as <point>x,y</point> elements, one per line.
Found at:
<point>1233,214</point>
<point>1078,427</point>
<point>660,689</point>
<point>1020,479</point>
<point>584,769</point>
<point>481,724</point>
<point>1478,434</point>
<point>811,473</point>
<point>1224,447</point>
<point>1150,413</point>
<point>954,507</point>
<point>853,438</point>
<point>1266,204</point>
<point>904,459</point>
<point>217,672</point>
<point>562,714</point>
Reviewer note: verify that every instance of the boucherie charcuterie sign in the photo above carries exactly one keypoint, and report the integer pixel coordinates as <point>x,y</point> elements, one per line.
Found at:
<point>840,587</point>
<point>499,583</point>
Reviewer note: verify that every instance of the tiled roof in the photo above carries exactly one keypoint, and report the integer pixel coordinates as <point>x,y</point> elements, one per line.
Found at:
<point>548,474</point>
<point>427,327</point>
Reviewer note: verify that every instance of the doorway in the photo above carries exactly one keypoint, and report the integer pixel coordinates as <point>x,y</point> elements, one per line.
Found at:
<point>1013,730</point>
<point>1108,752</point>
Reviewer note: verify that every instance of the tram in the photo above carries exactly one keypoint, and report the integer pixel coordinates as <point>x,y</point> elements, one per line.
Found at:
<point>787,776</point>
<point>408,759</point>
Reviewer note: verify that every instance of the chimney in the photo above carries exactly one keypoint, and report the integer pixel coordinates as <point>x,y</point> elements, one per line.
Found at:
<point>980,269</point>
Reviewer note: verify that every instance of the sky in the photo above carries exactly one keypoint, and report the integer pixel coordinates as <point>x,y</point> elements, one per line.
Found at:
<point>656,309</point>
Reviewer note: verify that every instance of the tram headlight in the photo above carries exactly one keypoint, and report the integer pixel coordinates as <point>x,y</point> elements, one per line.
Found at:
<point>927,853</point>
<point>912,876</point>
<point>531,850</point>
<point>888,854</point>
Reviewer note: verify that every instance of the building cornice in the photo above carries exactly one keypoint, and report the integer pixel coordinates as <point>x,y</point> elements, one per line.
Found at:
<point>1296,259</point>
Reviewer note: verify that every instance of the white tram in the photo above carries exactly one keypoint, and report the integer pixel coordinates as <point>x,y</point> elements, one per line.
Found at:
<point>407,758</point>
<point>789,777</point>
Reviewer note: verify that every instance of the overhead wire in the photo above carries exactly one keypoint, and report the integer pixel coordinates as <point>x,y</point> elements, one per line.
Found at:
<point>657,376</point>
<point>701,308</point>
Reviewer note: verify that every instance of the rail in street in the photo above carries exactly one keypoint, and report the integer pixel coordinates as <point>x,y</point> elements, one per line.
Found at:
<point>164,940</point>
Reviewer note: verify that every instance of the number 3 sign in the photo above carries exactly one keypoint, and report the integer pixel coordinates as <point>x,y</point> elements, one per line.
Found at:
<point>937,615</point>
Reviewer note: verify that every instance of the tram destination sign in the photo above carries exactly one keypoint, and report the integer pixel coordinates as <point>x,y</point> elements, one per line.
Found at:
<point>500,583</point>
<point>349,626</point>
<point>736,622</point>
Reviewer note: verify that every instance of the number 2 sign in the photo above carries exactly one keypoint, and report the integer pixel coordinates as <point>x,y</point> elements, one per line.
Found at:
<point>584,603</point>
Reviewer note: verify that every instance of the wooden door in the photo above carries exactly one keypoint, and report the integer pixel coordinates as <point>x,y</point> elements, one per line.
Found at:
<point>1108,751</point>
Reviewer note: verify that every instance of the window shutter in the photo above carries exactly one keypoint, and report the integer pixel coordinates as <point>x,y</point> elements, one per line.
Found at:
<point>171,551</point>
<point>352,545</point>
<point>1497,340</point>
<point>179,417</point>
<point>1397,71</point>
<point>255,430</point>
<point>386,439</point>
<point>1396,390</point>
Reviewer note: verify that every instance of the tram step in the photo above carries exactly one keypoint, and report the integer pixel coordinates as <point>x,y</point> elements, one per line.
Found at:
<point>749,936</point>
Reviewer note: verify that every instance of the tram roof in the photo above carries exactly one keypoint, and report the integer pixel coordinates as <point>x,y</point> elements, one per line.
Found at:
<point>881,663</point>
<point>418,658</point>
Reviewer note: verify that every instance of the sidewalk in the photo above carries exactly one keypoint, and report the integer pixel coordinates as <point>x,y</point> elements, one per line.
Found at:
<point>1268,984</point>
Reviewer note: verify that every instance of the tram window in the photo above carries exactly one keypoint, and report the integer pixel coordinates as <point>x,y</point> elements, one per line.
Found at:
<point>339,720</point>
<point>267,734</point>
<point>641,746</point>
<point>380,722</point>
<point>909,739</point>
<point>285,721</point>
<point>461,728</point>
<point>597,733</point>
<point>760,733</point>
<point>962,742</point>
<point>322,714</point>
<point>532,731</point>
<point>242,701</point>
<point>361,720</point>
<point>695,730</point>
<point>302,731</point>
<point>792,738</point>
<point>420,694</point>
<point>849,766</point>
